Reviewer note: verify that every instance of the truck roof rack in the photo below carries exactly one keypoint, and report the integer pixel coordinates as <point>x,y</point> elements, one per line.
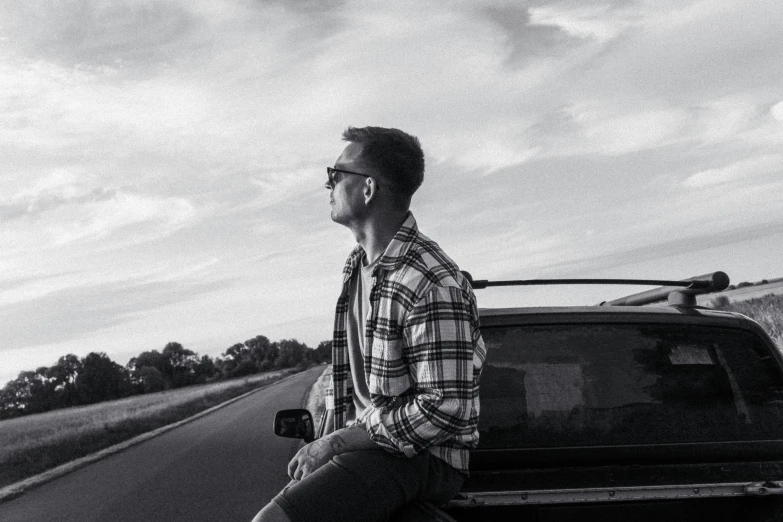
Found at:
<point>677,293</point>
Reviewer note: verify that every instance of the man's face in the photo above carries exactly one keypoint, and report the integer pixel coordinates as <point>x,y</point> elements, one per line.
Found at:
<point>347,191</point>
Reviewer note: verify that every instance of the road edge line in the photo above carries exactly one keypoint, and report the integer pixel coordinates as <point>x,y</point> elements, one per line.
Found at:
<point>19,488</point>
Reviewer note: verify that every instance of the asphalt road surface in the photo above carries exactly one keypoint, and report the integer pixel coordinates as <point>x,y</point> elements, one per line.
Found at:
<point>224,466</point>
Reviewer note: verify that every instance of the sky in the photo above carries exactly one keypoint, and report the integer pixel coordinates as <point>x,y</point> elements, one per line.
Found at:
<point>162,162</point>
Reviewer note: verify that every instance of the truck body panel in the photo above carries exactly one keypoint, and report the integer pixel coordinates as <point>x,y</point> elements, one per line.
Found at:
<point>619,413</point>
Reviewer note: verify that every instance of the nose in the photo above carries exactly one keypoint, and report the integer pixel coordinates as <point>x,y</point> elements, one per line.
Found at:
<point>328,185</point>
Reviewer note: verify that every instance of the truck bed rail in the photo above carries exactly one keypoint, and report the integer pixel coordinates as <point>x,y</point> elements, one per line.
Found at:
<point>616,494</point>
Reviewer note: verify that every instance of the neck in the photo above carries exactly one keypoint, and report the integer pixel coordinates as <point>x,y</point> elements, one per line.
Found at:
<point>376,232</point>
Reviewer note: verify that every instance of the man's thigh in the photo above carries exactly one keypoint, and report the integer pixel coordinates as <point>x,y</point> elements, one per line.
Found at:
<point>363,485</point>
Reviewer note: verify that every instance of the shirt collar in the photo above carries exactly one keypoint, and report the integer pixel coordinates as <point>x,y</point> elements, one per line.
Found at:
<point>400,244</point>
<point>395,250</point>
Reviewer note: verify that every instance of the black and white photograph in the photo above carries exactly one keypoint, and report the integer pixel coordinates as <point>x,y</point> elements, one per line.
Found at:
<point>342,260</point>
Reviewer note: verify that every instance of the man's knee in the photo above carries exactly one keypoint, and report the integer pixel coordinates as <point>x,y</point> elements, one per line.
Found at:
<point>271,513</point>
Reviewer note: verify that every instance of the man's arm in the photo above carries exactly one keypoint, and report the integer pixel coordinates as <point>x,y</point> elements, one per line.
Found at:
<point>440,347</point>
<point>439,335</point>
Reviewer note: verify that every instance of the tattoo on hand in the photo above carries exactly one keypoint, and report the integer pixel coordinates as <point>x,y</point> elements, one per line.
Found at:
<point>337,444</point>
<point>316,454</point>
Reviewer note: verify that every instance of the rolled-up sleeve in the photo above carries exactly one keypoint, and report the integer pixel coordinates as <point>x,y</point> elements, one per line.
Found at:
<point>438,336</point>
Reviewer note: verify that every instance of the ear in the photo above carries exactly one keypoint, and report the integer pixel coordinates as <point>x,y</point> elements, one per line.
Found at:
<point>370,190</point>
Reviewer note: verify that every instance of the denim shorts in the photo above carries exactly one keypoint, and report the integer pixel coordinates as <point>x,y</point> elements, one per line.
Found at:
<point>369,485</point>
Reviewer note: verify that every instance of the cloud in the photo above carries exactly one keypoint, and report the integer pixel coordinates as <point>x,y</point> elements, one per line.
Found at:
<point>177,109</point>
<point>72,312</point>
<point>63,186</point>
<point>141,139</point>
<point>777,111</point>
<point>724,119</point>
<point>60,183</point>
<point>605,132</point>
<point>737,172</point>
<point>496,151</point>
<point>662,248</point>
<point>65,207</point>
<point>526,41</point>
<point>694,51</point>
<point>614,127</point>
<point>597,22</point>
<point>275,185</point>
<point>95,32</point>
<point>180,103</point>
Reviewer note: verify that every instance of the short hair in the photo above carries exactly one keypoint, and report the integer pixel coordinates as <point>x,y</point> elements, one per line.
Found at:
<point>396,155</point>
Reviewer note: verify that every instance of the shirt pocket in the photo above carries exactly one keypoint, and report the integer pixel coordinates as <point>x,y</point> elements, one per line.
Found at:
<point>389,373</point>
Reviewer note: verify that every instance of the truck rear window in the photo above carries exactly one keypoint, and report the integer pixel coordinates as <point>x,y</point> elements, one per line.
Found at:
<point>591,385</point>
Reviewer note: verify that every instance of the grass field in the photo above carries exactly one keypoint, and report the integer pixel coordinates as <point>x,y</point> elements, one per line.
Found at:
<point>773,287</point>
<point>35,443</point>
<point>766,310</point>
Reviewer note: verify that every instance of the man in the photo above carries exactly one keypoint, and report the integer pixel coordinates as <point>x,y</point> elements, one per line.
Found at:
<point>407,353</point>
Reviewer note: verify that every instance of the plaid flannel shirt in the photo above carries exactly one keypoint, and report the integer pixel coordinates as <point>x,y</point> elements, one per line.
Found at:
<point>423,352</point>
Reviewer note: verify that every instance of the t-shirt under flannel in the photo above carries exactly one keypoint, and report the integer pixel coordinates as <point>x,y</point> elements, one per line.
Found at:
<point>358,308</point>
<point>423,352</point>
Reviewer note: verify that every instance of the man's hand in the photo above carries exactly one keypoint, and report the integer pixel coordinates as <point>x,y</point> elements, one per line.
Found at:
<point>319,452</point>
<point>313,456</point>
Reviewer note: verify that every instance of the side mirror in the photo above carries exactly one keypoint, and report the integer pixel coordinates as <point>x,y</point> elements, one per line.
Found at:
<point>296,424</point>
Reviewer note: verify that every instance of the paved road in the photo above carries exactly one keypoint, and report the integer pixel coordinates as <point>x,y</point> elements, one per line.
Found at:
<point>224,466</point>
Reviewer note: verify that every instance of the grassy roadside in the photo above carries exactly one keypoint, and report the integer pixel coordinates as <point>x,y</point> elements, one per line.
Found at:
<point>30,445</point>
<point>766,310</point>
<point>315,397</point>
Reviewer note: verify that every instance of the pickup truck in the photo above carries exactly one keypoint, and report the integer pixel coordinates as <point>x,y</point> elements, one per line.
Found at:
<point>624,411</point>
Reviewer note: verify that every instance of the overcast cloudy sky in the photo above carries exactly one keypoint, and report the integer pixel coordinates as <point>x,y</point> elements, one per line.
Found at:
<point>163,162</point>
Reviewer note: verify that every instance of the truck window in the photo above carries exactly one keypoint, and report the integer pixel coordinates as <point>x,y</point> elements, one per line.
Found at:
<point>591,385</point>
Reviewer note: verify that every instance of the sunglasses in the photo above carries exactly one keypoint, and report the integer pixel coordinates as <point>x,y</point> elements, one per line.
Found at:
<point>331,173</point>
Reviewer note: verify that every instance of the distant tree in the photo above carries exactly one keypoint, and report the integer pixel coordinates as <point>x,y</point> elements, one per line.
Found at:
<point>245,367</point>
<point>101,379</point>
<point>15,396</point>
<point>236,352</point>
<point>177,365</point>
<point>151,379</point>
<point>232,358</point>
<point>252,356</point>
<point>205,370</point>
<point>323,352</point>
<point>262,352</point>
<point>29,393</point>
<point>156,360</point>
<point>182,363</point>
<point>73,381</point>
<point>744,284</point>
<point>291,353</point>
<point>63,376</point>
<point>8,405</point>
<point>266,365</point>
<point>44,396</point>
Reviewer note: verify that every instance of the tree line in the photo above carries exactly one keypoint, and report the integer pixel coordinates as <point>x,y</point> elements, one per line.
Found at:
<point>74,381</point>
